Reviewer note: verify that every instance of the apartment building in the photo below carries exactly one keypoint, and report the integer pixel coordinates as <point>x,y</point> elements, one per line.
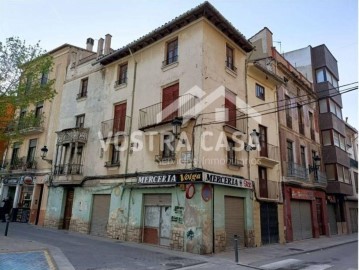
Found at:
<point>24,173</point>
<point>320,67</point>
<point>148,139</point>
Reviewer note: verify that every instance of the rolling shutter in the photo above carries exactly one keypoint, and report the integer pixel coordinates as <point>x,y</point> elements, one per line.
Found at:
<point>100,214</point>
<point>332,219</point>
<point>234,220</point>
<point>301,219</point>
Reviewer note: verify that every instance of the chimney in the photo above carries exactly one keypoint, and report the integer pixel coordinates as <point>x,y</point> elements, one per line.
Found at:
<point>100,47</point>
<point>107,43</point>
<point>89,44</point>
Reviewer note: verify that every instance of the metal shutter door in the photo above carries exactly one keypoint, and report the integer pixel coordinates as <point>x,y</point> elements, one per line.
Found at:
<point>332,219</point>
<point>301,220</point>
<point>157,199</point>
<point>100,214</point>
<point>354,219</point>
<point>269,223</point>
<point>234,220</point>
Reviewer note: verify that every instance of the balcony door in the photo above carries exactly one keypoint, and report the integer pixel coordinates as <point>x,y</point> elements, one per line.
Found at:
<point>119,117</point>
<point>230,106</point>
<point>170,102</point>
<point>263,141</point>
<point>263,182</point>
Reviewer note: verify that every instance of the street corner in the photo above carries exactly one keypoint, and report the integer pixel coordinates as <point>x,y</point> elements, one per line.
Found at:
<point>30,260</point>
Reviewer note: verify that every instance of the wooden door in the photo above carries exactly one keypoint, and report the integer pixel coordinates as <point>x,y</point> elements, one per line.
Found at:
<point>170,102</point>
<point>68,208</point>
<point>119,119</point>
<point>263,186</point>
<point>230,106</point>
<point>263,141</point>
<point>100,214</point>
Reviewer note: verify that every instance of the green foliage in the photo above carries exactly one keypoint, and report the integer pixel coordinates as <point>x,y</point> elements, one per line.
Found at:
<point>24,73</point>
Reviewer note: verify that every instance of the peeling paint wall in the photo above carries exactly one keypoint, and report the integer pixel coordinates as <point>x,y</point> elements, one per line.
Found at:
<point>55,208</point>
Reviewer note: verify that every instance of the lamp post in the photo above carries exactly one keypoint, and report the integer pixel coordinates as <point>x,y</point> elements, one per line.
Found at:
<point>314,168</point>
<point>176,126</point>
<point>44,151</point>
<point>255,140</point>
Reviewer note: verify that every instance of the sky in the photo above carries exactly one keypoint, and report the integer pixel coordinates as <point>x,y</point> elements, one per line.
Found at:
<point>294,23</point>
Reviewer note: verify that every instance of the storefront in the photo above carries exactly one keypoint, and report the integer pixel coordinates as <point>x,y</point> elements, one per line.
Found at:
<point>306,213</point>
<point>19,190</point>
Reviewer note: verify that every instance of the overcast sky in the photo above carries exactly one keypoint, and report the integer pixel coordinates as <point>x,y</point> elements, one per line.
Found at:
<point>294,23</point>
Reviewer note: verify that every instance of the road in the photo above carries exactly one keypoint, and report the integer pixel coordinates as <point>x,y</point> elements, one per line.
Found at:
<point>87,252</point>
<point>343,257</point>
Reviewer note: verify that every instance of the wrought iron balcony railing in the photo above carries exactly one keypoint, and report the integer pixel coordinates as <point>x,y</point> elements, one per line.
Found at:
<point>268,189</point>
<point>322,178</point>
<point>22,163</point>
<point>295,170</point>
<point>66,169</point>
<point>155,114</point>
<point>28,125</point>
<point>114,127</point>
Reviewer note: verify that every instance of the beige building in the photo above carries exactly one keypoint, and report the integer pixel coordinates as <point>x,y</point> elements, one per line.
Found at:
<point>25,175</point>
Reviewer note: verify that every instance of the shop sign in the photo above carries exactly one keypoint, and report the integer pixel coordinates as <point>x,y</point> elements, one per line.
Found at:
<point>28,180</point>
<point>227,181</point>
<point>170,178</point>
<point>11,181</point>
<point>302,194</point>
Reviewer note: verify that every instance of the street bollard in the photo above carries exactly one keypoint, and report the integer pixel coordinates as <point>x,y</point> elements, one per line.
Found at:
<point>236,247</point>
<point>7,217</point>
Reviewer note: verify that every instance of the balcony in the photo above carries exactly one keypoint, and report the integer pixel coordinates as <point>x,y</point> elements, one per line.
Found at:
<point>295,172</point>
<point>233,162</point>
<point>114,127</point>
<point>322,179</point>
<point>30,126</point>
<point>268,190</point>
<point>236,122</point>
<point>20,164</point>
<point>155,115</point>
<point>66,169</point>
<point>268,155</point>
<point>72,135</point>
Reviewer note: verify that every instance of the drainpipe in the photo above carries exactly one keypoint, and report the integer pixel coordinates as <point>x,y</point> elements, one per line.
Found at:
<point>129,132</point>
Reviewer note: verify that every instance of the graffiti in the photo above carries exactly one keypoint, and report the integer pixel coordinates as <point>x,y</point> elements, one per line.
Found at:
<point>190,235</point>
<point>178,217</point>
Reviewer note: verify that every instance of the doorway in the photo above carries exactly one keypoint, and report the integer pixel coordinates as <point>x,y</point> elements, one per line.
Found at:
<point>68,208</point>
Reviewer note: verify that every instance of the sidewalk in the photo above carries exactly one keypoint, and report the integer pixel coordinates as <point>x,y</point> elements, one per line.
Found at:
<point>251,256</point>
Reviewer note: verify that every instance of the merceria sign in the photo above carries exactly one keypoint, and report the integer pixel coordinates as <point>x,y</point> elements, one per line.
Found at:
<point>227,180</point>
<point>169,178</point>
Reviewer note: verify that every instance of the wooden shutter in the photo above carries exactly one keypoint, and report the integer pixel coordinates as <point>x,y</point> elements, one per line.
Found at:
<point>170,102</point>
<point>263,141</point>
<point>230,105</point>
<point>263,186</point>
<point>119,120</point>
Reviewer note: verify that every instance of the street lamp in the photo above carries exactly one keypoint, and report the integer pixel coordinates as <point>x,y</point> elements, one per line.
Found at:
<point>255,140</point>
<point>176,126</point>
<point>314,168</point>
<point>44,151</point>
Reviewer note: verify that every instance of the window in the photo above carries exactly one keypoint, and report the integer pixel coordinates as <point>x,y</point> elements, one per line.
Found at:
<point>263,141</point>
<point>83,88</point>
<point>330,169</point>
<point>44,78</point>
<point>168,146</point>
<point>15,155</point>
<point>122,74</point>
<point>231,153</point>
<point>80,121</point>
<point>300,118</point>
<point>326,136</point>
<point>290,152</point>
<point>302,156</point>
<point>311,123</point>
<point>38,110</point>
<point>335,109</point>
<point>31,153</point>
<point>336,138</point>
<point>115,155</point>
<point>260,92</point>
<point>346,175</point>
<point>172,52</point>
<point>288,111</point>
<point>323,106</point>
<point>320,75</point>
<point>263,182</point>
<point>230,58</point>
<point>28,84</point>
<point>342,142</point>
<point>340,173</point>
<point>22,122</point>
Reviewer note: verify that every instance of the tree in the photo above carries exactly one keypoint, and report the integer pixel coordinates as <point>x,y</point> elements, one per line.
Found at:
<point>24,71</point>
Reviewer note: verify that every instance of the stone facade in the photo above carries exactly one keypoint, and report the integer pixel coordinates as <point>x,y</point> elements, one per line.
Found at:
<point>79,226</point>
<point>177,239</point>
<point>134,234</point>
<point>220,241</point>
<point>116,230</point>
<point>53,223</point>
<point>250,238</point>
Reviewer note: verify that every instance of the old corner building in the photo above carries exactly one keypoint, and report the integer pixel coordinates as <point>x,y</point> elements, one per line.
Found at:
<point>186,89</point>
